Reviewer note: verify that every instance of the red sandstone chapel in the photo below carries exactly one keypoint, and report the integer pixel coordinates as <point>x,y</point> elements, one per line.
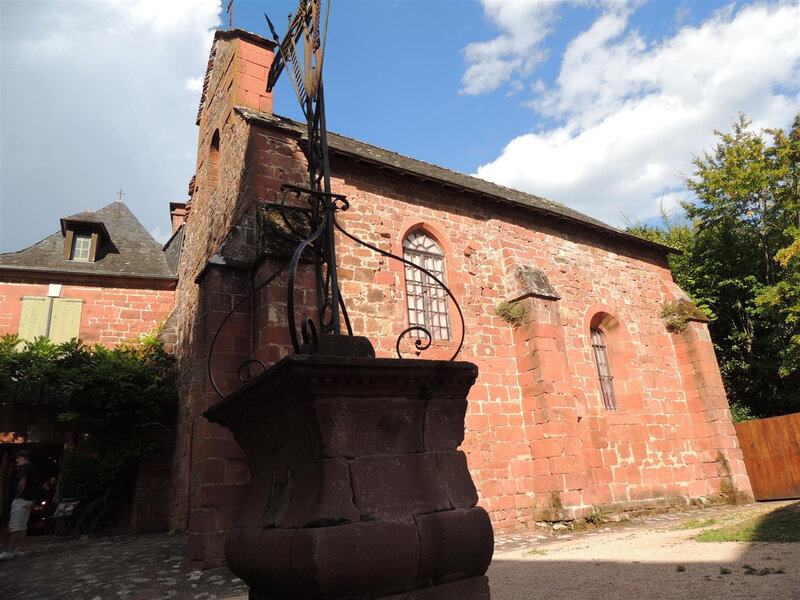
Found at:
<point>584,401</point>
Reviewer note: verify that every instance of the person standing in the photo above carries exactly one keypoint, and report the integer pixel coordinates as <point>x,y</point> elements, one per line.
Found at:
<point>25,494</point>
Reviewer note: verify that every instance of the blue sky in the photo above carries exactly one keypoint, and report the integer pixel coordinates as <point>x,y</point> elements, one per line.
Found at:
<point>597,104</point>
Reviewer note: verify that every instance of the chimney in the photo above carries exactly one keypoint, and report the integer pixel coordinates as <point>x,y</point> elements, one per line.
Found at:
<point>177,213</point>
<point>237,74</point>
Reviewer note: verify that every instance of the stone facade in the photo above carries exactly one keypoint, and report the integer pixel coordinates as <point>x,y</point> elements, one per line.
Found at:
<point>122,287</point>
<point>540,443</point>
<point>111,313</point>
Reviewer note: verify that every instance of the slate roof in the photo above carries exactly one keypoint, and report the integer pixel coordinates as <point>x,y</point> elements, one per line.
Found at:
<point>132,251</point>
<point>361,151</point>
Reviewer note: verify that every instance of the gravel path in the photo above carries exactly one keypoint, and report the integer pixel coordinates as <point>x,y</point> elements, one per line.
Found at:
<point>648,559</point>
<point>645,559</point>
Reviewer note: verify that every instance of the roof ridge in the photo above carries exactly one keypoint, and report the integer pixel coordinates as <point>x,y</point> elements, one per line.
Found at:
<point>288,121</point>
<point>448,177</point>
<point>132,250</point>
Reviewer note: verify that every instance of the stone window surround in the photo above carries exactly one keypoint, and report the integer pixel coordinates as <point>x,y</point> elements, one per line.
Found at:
<point>606,320</point>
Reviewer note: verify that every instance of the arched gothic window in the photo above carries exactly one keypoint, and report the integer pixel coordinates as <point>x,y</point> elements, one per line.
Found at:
<point>427,301</point>
<point>603,369</point>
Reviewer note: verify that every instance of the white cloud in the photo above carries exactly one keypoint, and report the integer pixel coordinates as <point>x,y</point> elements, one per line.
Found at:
<point>96,96</point>
<point>519,49</point>
<point>630,113</point>
<point>515,52</point>
<point>195,84</point>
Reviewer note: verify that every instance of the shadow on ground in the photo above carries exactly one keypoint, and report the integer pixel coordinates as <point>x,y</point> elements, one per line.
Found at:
<point>608,580</point>
<point>651,561</point>
<point>123,567</point>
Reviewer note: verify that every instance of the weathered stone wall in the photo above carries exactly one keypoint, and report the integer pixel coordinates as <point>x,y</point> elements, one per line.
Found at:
<point>109,315</point>
<point>206,490</point>
<point>539,442</point>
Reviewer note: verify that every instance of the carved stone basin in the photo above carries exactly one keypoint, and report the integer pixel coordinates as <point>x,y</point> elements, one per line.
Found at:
<point>357,487</point>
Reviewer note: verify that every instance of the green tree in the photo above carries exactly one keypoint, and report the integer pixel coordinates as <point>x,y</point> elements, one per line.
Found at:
<point>742,265</point>
<point>679,233</point>
<point>740,262</point>
<point>783,296</point>
<point>115,399</point>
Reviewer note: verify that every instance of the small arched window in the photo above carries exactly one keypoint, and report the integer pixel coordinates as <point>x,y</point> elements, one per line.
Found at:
<point>427,300</point>
<point>213,161</point>
<point>603,368</point>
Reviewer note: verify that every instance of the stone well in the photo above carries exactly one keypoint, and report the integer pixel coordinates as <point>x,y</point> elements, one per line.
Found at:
<point>358,489</point>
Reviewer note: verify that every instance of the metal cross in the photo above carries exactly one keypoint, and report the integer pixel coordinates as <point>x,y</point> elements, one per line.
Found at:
<point>121,194</point>
<point>302,50</point>
<point>310,225</point>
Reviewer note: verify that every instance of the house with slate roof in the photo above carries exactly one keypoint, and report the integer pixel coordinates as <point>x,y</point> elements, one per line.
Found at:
<point>101,278</point>
<point>587,402</point>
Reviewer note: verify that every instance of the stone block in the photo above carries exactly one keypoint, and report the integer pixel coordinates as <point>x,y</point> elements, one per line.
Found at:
<point>262,558</point>
<point>386,487</point>
<point>457,479</point>
<point>321,495</point>
<point>290,432</point>
<point>224,495</point>
<point>444,423</point>
<point>279,500</point>
<point>369,426</point>
<point>346,560</point>
<point>259,497</point>
<point>455,544</point>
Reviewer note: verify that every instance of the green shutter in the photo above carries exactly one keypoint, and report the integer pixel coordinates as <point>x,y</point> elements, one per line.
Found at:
<point>65,322</point>
<point>33,317</point>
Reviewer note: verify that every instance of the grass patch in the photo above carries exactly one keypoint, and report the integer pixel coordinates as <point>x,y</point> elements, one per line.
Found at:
<point>694,524</point>
<point>780,525</point>
<point>535,552</point>
<point>750,570</point>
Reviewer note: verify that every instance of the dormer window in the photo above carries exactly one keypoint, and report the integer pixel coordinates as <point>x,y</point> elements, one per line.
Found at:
<point>81,245</point>
<point>85,238</point>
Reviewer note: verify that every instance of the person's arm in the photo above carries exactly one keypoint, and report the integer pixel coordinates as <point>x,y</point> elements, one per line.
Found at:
<point>22,481</point>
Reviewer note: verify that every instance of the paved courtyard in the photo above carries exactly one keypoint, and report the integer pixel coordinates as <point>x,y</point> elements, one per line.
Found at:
<point>644,559</point>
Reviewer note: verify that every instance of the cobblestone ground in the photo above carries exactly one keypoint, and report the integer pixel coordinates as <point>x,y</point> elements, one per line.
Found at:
<point>155,567</point>
<point>125,567</point>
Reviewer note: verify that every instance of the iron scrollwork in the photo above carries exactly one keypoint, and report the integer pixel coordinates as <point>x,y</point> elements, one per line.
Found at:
<point>306,216</point>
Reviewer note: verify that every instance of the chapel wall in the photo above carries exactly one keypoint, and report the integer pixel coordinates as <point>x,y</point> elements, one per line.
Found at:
<point>539,441</point>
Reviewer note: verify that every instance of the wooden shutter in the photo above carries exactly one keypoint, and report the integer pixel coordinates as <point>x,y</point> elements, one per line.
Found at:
<point>65,322</point>
<point>33,317</point>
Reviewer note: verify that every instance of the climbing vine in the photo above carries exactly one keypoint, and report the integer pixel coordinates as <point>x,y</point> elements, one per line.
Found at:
<point>113,400</point>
